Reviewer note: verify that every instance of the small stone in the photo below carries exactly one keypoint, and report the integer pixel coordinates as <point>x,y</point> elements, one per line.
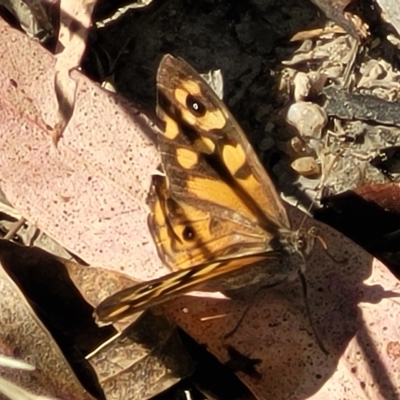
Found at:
<point>308,118</point>
<point>306,166</point>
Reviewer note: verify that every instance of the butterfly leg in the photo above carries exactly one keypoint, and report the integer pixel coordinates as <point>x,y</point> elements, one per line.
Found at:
<point>303,282</point>
<point>249,305</point>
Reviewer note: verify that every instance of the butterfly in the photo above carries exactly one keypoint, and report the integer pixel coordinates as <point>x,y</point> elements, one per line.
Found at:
<point>214,211</point>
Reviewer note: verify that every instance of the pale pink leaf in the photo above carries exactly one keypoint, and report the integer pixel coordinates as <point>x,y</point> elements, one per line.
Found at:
<point>355,310</point>
<point>31,69</point>
<point>88,193</point>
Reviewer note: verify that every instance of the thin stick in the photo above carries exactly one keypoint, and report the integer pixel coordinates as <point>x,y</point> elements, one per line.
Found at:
<point>317,338</point>
<point>15,227</point>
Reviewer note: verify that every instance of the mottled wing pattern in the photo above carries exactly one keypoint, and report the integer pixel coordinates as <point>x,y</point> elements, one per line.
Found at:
<point>219,200</point>
<point>214,209</point>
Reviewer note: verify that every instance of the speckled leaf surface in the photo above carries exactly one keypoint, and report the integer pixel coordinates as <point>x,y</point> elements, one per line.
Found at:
<point>146,360</point>
<point>88,193</point>
<point>355,308</point>
<point>23,336</point>
<point>274,351</point>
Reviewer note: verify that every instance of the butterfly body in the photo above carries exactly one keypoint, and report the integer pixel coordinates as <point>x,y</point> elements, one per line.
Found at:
<point>214,211</point>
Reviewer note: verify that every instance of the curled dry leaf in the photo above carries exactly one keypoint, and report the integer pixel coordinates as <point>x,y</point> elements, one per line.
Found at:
<point>308,84</point>
<point>371,73</point>
<point>23,336</point>
<point>118,12</point>
<point>302,86</point>
<point>147,359</point>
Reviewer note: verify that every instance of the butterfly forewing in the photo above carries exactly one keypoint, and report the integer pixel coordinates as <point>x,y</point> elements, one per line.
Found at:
<point>210,128</point>
<point>226,199</point>
<point>214,209</point>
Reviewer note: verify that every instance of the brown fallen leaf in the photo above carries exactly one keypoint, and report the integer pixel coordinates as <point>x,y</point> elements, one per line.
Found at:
<point>145,360</point>
<point>95,284</point>
<point>384,195</point>
<point>24,337</point>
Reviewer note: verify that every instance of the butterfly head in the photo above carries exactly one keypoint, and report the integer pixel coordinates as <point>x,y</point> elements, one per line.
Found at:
<point>301,241</point>
<point>305,240</point>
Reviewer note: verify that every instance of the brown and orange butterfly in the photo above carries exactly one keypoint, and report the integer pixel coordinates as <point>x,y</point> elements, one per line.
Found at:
<point>214,211</point>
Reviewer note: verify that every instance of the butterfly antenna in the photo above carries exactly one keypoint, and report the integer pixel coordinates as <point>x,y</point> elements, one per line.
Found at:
<point>331,256</point>
<point>319,193</point>
<point>308,312</point>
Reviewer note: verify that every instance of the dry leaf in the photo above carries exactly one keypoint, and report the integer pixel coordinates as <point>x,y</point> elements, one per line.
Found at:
<point>32,16</point>
<point>385,195</point>
<point>350,308</point>
<point>146,360</point>
<point>286,360</point>
<point>24,337</point>
<point>95,284</point>
<point>89,193</point>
